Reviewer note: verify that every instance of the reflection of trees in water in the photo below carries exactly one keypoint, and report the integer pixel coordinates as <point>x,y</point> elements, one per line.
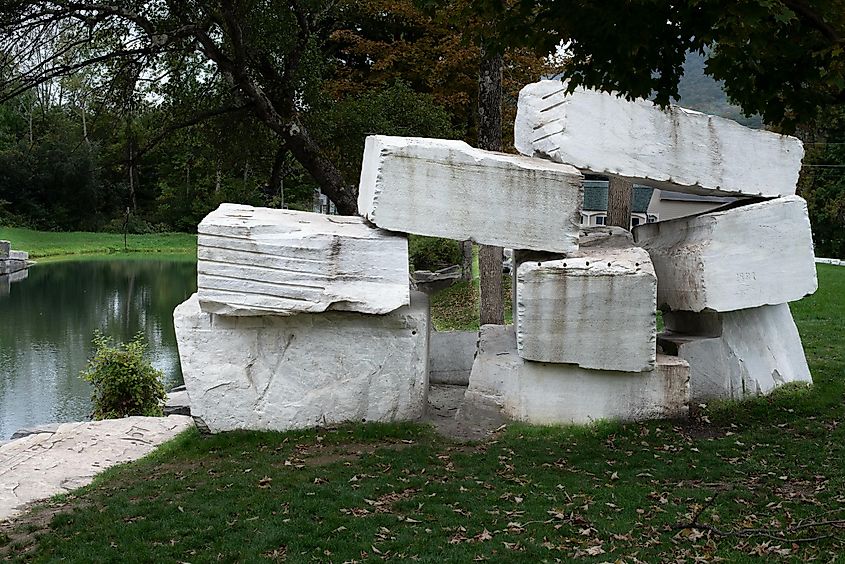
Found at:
<point>48,321</point>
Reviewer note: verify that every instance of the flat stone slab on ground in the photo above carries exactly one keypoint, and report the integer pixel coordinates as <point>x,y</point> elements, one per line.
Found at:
<point>42,465</point>
<point>546,393</point>
<point>736,257</point>
<point>737,354</point>
<point>257,261</point>
<point>595,308</point>
<point>445,188</point>
<point>675,149</point>
<point>288,372</point>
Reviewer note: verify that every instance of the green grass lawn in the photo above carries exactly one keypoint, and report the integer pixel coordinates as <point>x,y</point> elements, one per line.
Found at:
<point>456,308</point>
<point>40,244</point>
<point>740,482</point>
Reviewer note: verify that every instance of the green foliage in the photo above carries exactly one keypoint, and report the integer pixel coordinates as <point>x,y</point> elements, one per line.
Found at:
<point>124,382</point>
<point>781,59</point>
<point>395,109</point>
<point>431,253</point>
<point>822,184</point>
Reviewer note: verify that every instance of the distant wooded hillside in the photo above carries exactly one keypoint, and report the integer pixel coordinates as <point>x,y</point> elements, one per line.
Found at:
<point>701,92</point>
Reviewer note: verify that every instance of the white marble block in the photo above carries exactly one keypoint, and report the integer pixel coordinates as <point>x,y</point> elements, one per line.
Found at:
<point>595,308</point>
<point>737,257</point>
<point>737,354</point>
<point>256,261</point>
<point>444,188</point>
<point>675,149</point>
<point>287,372</point>
<point>546,393</point>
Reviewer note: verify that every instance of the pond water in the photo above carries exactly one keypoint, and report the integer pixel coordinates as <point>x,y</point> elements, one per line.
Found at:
<point>47,321</point>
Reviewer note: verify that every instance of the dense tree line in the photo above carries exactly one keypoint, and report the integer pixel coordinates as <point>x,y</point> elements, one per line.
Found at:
<point>167,109</point>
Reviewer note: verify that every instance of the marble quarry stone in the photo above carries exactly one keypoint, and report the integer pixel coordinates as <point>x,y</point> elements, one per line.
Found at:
<point>737,354</point>
<point>255,261</point>
<point>547,393</point>
<point>674,149</point>
<point>445,188</point>
<point>11,266</point>
<point>736,257</point>
<point>451,354</point>
<point>595,308</point>
<point>58,459</point>
<point>287,372</point>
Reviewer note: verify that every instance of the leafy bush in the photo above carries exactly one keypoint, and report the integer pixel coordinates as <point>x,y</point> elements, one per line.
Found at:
<point>124,382</point>
<point>430,253</point>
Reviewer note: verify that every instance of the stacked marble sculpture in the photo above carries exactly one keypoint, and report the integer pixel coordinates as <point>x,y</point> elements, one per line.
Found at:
<point>302,319</point>
<point>724,278</point>
<point>11,261</point>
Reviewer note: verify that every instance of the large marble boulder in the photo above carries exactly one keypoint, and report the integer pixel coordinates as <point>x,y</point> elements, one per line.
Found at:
<point>676,149</point>
<point>737,354</point>
<point>287,372</point>
<point>448,189</point>
<point>546,393</point>
<point>255,261</point>
<point>737,257</point>
<point>595,308</point>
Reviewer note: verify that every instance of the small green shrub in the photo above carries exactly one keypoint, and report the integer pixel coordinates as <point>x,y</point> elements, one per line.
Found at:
<point>125,383</point>
<point>431,253</point>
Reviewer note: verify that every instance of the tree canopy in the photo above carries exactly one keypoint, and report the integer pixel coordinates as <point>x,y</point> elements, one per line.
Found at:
<point>783,59</point>
<point>224,68</point>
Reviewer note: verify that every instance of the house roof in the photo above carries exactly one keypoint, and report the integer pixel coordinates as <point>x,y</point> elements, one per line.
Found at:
<point>681,197</point>
<point>595,196</point>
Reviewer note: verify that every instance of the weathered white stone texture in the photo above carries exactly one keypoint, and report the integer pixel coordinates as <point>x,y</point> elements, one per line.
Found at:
<point>256,261</point>
<point>675,149</point>
<point>733,258</point>
<point>444,188</point>
<point>738,354</point>
<point>287,372</point>
<point>595,308</point>
<point>546,393</point>
<point>45,464</point>
<point>451,354</point>
<point>5,248</point>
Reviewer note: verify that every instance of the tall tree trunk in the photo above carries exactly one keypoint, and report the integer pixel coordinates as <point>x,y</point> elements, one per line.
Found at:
<point>490,138</point>
<point>130,158</point>
<point>246,173</point>
<point>84,125</point>
<point>620,194</point>
<point>466,261</point>
<point>306,151</point>
<point>276,181</point>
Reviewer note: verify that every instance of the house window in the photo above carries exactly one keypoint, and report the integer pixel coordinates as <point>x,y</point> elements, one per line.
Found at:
<point>635,221</point>
<point>600,220</point>
<point>652,219</point>
<point>585,219</point>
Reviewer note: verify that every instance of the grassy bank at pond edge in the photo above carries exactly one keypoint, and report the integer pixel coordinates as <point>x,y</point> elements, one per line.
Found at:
<point>41,244</point>
<point>739,481</point>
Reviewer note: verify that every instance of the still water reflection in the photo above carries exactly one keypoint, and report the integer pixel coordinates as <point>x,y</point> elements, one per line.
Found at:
<point>47,321</point>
